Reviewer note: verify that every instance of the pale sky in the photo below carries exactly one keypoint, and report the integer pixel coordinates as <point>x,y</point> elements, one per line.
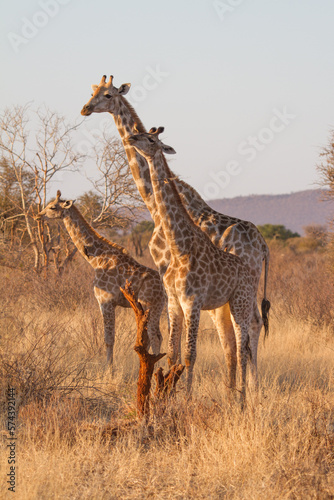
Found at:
<point>243,87</point>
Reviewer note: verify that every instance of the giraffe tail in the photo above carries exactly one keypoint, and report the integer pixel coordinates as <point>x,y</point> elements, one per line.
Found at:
<point>265,306</point>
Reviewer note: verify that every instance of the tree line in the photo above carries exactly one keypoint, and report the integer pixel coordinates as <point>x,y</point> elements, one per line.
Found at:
<point>38,145</point>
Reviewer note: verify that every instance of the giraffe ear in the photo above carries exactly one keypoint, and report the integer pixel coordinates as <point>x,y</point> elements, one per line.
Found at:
<point>168,149</point>
<point>94,87</point>
<point>68,203</point>
<point>124,89</point>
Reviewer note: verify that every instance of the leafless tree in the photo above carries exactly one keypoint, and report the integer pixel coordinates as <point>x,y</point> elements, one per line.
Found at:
<point>326,168</point>
<point>119,200</point>
<point>36,145</point>
<point>317,232</point>
<point>326,171</point>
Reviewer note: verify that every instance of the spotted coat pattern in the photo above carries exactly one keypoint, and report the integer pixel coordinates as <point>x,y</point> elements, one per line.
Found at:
<point>231,234</point>
<point>200,276</point>
<point>113,266</point>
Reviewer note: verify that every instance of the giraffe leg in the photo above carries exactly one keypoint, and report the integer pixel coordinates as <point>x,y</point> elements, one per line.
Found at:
<point>222,320</point>
<point>153,327</point>
<point>192,323</point>
<point>175,315</point>
<point>108,313</point>
<point>241,334</point>
<point>254,334</point>
<point>152,298</point>
<point>166,302</point>
<point>242,309</point>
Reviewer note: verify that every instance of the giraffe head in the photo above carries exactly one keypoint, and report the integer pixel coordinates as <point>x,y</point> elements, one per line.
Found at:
<point>104,97</point>
<point>148,144</point>
<point>56,209</point>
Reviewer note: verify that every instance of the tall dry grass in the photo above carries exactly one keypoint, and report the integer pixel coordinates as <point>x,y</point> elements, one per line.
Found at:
<point>281,446</point>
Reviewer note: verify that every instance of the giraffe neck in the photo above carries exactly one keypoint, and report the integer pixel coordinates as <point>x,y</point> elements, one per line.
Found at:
<point>200,212</point>
<point>192,200</point>
<point>89,243</point>
<point>176,223</point>
<point>126,119</point>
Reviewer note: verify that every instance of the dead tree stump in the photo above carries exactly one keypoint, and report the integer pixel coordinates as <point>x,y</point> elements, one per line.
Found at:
<point>146,360</point>
<point>165,383</point>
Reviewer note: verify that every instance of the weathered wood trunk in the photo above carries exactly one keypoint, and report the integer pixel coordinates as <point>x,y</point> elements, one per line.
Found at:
<point>165,384</point>
<point>146,360</point>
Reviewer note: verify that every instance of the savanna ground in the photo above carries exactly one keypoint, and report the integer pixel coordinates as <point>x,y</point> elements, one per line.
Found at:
<point>52,354</point>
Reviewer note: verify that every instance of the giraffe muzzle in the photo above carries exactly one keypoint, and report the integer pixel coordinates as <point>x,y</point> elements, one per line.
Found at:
<point>86,111</point>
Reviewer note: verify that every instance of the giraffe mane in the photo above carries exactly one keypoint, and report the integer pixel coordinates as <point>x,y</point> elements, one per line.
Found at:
<point>139,124</point>
<point>191,189</point>
<point>98,235</point>
<point>194,194</point>
<point>172,178</point>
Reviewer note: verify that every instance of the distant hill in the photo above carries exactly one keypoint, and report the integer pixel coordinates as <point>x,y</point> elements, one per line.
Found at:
<point>293,210</point>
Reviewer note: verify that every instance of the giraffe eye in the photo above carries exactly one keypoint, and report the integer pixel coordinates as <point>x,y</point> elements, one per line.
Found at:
<point>150,140</point>
<point>107,96</point>
<point>53,208</point>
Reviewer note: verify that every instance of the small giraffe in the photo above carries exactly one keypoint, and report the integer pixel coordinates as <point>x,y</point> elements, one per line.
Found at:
<point>241,237</point>
<point>200,276</point>
<point>113,267</point>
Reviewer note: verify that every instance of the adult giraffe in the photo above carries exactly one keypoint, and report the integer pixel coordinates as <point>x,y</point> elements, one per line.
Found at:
<point>200,276</point>
<point>229,233</point>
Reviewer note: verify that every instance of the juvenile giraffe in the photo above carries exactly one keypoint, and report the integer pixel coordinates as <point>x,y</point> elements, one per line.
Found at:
<point>200,276</point>
<point>241,238</point>
<point>113,267</point>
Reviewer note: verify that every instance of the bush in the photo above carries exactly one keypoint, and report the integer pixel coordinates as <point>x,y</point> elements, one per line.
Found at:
<point>300,284</point>
<point>276,231</point>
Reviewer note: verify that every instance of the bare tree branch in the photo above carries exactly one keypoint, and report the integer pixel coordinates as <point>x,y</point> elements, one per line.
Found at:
<point>119,196</point>
<point>35,147</point>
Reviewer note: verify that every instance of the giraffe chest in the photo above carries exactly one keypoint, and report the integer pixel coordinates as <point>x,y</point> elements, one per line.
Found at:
<point>209,282</point>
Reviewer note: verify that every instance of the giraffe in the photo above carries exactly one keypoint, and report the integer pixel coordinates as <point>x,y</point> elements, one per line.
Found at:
<point>229,233</point>
<point>113,267</point>
<point>200,276</point>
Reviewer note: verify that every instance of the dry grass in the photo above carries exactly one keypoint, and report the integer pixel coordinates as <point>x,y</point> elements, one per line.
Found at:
<point>281,446</point>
